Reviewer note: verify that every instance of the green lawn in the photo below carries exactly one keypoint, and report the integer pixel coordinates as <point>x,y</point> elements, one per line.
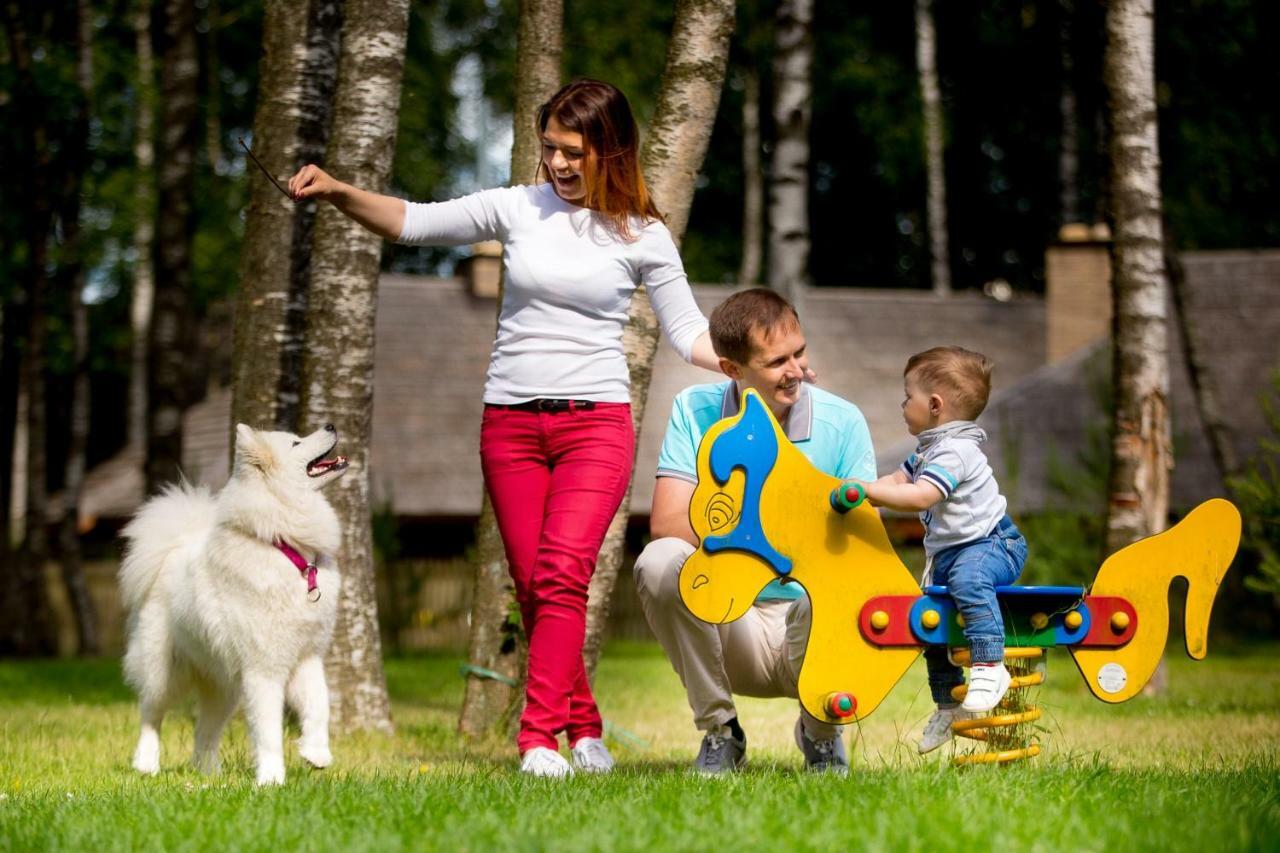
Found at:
<point>1196,768</point>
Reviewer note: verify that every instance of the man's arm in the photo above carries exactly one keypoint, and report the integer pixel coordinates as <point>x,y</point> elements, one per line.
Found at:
<point>670,513</point>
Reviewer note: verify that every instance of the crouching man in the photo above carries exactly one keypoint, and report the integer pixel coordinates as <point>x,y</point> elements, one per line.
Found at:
<point>757,335</point>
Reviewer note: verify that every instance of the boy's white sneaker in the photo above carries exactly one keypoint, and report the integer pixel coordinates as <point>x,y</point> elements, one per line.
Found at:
<point>938,730</point>
<point>545,763</point>
<point>987,686</point>
<point>590,755</point>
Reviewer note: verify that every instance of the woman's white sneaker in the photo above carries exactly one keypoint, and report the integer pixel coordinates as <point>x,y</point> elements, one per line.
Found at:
<point>590,755</point>
<point>545,763</point>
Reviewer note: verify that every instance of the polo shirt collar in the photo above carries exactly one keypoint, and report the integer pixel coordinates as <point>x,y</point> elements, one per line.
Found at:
<point>799,421</point>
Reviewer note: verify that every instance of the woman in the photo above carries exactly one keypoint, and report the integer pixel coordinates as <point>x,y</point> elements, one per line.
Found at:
<point>556,442</point>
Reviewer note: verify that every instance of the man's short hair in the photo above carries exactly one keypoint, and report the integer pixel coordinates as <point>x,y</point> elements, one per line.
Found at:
<point>961,376</point>
<point>734,319</point>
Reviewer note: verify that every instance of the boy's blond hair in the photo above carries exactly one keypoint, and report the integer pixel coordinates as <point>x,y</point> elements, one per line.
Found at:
<point>961,376</point>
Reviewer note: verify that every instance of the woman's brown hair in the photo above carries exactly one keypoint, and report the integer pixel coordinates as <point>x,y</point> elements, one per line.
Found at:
<point>614,185</point>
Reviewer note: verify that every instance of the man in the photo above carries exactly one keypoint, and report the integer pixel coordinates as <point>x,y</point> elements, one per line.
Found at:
<point>756,333</point>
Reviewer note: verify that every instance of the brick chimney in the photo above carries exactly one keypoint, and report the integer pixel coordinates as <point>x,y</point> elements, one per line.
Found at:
<point>483,270</point>
<point>1077,289</point>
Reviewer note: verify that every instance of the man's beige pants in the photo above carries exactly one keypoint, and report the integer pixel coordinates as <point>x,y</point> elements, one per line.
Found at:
<point>758,654</point>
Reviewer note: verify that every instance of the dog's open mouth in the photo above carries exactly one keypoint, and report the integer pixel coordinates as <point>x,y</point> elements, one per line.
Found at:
<point>320,465</point>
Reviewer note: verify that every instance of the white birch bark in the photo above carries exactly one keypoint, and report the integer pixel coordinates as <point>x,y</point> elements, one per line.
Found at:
<point>291,127</point>
<point>673,152</point>
<point>144,282</point>
<point>789,232</point>
<point>337,371</point>
<point>1069,144</point>
<point>1141,448</point>
<point>169,353</point>
<point>752,183</point>
<point>935,164</point>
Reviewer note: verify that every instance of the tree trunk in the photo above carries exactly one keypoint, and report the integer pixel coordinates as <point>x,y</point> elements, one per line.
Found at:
<point>27,626</point>
<point>213,87</point>
<point>935,166</point>
<point>752,183</point>
<point>1204,388</point>
<point>291,128</point>
<point>14,320</point>
<point>1138,500</point>
<point>498,644</point>
<point>674,149</point>
<point>169,352</point>
<point>72,274</point>
<point>337,371</point>
<point>789,175</point>
<point>142,298</point>
<point>1068,147</point>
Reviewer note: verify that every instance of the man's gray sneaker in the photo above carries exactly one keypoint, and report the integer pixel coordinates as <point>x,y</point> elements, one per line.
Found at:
<point>720,753</point>
<point>822,755</point>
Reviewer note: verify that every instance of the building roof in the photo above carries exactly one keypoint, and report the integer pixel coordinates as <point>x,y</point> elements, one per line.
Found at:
<point>434,337</point>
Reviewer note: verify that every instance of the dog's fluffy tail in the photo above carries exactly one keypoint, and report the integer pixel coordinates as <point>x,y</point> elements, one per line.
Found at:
<point>179,515</point>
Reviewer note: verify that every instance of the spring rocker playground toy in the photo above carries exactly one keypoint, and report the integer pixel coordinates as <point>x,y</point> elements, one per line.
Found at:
<point>762,511</point>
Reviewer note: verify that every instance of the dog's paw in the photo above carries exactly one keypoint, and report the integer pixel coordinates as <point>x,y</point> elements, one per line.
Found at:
<point>270,773</point>
<point>146,760</point>
<point>208,763</point>
<point>315,754</point>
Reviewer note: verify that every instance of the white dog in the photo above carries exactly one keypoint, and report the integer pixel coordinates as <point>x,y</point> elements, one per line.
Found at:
<point>235,597</point>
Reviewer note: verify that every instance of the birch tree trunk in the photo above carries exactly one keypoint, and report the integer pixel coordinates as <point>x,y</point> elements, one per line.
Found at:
<point>11,324</point>
<point>142,298</point>
<point>1069,146</point>
<point>498,645</point>
<point>290,129</point>
<point>337,373</point>
<point>935,164</point>
<point>673,152</point>
<point>1141,456</point>
<point>169,347</point>
<point>1204,388</point>
<point>74,277</point>
<point>789,174</point>
<point>752,183</point>
<point>26,625</point>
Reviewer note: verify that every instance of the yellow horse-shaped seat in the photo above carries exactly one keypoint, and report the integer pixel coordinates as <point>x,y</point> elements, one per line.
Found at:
<point>761,511</point>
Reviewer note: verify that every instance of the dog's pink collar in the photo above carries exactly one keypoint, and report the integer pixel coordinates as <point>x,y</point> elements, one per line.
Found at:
<point>308,570</point>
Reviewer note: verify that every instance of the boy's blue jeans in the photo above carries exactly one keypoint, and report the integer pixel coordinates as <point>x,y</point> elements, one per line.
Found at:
<point>971,572</point>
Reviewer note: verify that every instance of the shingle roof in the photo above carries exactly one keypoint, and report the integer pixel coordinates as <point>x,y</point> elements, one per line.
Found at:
<point>433,343</point>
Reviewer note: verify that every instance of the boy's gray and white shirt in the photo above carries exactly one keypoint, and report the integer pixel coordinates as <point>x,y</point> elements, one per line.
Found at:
<point>950,457</point>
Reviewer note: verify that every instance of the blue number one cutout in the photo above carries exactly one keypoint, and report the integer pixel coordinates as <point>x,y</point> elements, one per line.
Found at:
<point>752,445</point>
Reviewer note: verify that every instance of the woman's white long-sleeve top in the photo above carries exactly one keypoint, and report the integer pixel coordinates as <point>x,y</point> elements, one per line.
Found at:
<point>568,286</point>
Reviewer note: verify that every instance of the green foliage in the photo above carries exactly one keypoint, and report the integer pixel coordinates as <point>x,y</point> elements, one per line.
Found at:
<point>1257,495</point>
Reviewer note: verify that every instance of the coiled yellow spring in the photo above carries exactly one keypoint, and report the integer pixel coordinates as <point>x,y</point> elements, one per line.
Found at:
<point>1004,732</point>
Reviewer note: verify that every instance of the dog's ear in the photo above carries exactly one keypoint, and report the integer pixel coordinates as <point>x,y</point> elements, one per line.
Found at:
<point>251,449</point>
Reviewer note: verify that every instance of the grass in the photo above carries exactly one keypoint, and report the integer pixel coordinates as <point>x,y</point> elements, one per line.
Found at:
<point>1195,768</point>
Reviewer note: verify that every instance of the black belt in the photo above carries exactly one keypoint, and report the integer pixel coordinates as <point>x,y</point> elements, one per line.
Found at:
<point>546,404</point>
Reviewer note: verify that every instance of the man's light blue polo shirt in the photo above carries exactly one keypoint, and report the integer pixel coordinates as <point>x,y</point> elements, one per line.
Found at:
<point>830,431</point>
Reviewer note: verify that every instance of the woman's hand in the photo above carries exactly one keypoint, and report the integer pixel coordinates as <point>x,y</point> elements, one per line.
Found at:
<point>313,182</point>
<point>381,214</point>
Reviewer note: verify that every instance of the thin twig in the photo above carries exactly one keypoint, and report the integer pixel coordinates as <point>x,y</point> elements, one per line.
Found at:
<point>254,158</point>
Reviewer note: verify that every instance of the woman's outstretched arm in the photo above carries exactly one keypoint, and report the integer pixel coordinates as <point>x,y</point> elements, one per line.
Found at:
<point>381,214</point>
